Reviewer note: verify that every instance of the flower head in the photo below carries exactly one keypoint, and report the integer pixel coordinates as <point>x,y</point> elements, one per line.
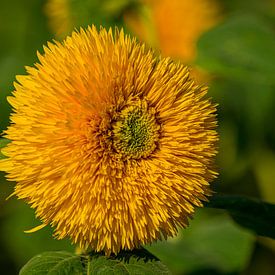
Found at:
<point>110,144</point>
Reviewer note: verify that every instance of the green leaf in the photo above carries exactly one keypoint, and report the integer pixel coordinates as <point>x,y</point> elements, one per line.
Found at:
<point>251,213</point>
<point>52,263</point>
<point>100,13</point>
<point>103,265</point>
<point>211,242</point>
<point>241,53</point>
<point>3,143</point>
<point>242,44</point>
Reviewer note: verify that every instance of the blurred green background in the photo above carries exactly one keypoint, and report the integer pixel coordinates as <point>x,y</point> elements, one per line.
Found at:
<point>232,49</point>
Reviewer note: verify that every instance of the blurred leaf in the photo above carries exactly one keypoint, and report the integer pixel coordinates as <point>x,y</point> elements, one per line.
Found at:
<point>265,7</point>
<point>264,163</point>
<point>212,241</point>
<point>68,263</point>
<point>254,214</point>
<point>116,7</point>
<point>241,52</point>
<point>243,43</point>
<point>18,217</point>
<point>106,13</point>
<point>23,32</point>
<point>3,143</point>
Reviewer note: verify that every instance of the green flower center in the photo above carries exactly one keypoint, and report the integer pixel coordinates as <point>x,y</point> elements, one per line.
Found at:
<point>135,132</point>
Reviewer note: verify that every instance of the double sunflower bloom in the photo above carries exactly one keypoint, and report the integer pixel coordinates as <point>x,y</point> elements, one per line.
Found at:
<point>110,144</point>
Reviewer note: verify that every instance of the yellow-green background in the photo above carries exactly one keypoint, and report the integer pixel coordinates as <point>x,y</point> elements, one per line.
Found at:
<point>239,53</point>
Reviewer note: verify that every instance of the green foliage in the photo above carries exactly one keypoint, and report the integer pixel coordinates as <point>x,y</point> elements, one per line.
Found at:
<point>253,214</point>
<point>103,265</point>
<point>3,143</point>
<point>20,217</point>
<point>242,45</point>
<point>242,52</point>
<point>23,32</point>
<point>51,263</point>
<point>209,243</point>
<point>106,13</point>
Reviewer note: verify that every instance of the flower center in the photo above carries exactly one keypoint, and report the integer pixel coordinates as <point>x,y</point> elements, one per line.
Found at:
<point>135,132</point>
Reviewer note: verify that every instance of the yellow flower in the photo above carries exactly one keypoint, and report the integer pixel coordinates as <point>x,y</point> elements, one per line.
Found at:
<point>110,144</point>
<point>174,26</point>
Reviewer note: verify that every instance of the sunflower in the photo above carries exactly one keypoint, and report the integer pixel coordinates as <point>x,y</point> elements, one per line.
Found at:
<point>112,145</point>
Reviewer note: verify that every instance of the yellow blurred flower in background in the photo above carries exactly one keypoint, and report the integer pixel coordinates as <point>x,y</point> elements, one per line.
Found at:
<point>112,145</point>
<point>174,26</point>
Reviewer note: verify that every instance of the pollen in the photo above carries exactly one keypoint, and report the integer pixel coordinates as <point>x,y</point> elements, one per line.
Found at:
<point>135,132</point>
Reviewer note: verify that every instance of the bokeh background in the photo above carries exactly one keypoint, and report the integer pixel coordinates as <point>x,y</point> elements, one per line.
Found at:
<point>230,46</point>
